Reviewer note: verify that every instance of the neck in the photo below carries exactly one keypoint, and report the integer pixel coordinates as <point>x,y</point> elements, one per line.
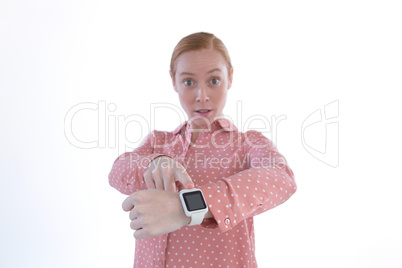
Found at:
<point>201,123</point>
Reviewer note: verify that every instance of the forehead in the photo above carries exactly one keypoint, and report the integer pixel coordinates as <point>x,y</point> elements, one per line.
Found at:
<point>200,61</point>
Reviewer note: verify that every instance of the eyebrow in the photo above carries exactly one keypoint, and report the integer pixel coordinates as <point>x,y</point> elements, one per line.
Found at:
<point>211,71</point>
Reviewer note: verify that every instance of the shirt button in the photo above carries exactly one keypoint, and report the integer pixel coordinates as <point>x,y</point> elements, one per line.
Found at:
<point>227,221</point>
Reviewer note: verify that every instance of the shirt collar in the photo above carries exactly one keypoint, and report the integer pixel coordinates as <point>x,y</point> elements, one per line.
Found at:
<point>224,123</point>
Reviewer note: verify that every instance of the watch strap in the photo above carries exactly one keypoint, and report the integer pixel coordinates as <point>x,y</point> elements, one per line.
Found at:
<point>197,218</point>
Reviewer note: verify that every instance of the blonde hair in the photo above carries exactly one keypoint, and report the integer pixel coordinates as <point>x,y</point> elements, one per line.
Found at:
<point>198,41</point>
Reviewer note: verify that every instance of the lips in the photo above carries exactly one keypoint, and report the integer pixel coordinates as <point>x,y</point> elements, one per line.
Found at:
<point>203,110</point>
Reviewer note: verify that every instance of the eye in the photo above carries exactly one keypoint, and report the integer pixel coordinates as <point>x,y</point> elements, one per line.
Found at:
<point>188,82</point>
<point>215,81</point>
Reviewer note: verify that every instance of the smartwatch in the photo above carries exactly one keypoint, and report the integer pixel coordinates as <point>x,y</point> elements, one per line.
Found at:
<point>194,205</point>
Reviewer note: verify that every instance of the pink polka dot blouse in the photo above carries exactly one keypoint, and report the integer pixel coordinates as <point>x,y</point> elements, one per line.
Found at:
<point>241,176</point>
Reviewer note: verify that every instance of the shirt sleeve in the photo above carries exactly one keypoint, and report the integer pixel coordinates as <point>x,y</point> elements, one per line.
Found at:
<point>127,174</point>
<point>266,183</point>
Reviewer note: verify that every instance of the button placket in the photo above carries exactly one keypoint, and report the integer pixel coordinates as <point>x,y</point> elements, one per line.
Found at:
<point>163,248</point>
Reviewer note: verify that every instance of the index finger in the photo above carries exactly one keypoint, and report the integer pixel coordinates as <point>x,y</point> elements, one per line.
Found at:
<point>170,185</point>
<point>128,203</point>
<point>182,176</point>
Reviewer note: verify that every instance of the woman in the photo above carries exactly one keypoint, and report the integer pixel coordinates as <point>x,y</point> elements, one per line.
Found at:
<point>240,174</point>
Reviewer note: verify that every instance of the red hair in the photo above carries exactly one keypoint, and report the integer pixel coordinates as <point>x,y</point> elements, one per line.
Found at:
<point>198,41</point>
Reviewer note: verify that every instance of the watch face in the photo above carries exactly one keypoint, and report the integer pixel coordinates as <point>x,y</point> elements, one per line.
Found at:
<point>194,201</point>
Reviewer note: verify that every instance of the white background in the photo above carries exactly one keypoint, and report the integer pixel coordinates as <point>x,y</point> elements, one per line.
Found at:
<point>290,58</point>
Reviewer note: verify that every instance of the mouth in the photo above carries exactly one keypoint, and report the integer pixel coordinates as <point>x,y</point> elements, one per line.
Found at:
<point>203,112</point>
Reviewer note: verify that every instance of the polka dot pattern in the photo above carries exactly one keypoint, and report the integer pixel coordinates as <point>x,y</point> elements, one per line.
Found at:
<point>241,176</point>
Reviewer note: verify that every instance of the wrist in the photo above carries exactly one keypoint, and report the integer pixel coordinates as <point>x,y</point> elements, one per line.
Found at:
<point>184,218</point>
<point>208,214</point>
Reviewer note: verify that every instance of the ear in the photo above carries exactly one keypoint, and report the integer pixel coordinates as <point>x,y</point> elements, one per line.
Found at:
<point>230,78</point>
<point>173,82</point>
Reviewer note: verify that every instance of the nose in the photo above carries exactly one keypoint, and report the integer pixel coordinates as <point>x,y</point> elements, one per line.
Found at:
<point>202,94</point>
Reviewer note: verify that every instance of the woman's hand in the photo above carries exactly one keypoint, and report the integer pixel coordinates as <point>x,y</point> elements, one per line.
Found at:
<point>155,212</point>
<point>165,173</point>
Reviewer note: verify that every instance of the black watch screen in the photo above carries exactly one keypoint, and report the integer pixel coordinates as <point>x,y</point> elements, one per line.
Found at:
<point>194,201</point>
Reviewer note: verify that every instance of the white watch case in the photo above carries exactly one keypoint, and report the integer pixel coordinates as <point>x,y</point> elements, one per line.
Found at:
<point>194,205</point>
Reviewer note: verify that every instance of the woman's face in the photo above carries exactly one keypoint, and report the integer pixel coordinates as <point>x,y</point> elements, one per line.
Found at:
<point>202,82</point>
